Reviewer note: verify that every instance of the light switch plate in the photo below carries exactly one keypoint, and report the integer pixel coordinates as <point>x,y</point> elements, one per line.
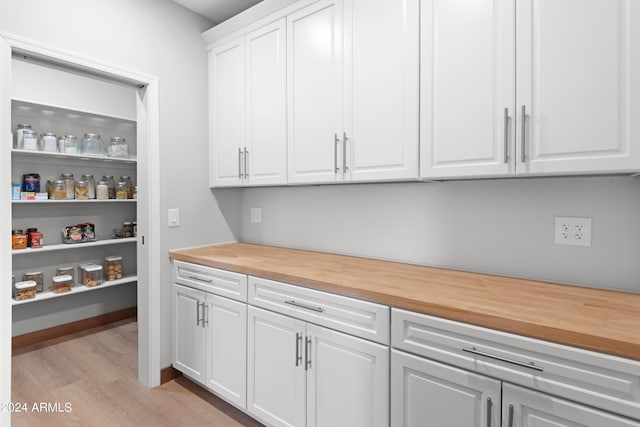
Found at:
<point>174,218</point>
<point>256,215</point>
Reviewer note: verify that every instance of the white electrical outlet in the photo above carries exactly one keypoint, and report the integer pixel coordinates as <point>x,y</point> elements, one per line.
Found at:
<point>573,231</point>
<point>256,215</point>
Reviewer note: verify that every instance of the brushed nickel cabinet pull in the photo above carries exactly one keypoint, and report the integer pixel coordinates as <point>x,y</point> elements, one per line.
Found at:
<point>506,135</point>
<point>489,408</point>
<point>306,307</point>
<point>345,168</point>
<point>198,314</point>
<point>530,365</point>
<point>205,315</point>
<point>307,353</point>
<point>523,157</point>
<point>510,416</point>
<point>200,279</point>
<point>246,168</point>
<point>298,348</point>
<point>336,141</point>
<point>239,163</point>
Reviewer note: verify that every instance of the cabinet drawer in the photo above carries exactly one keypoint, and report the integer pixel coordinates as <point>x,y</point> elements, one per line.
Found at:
<point>356,317</point>
<point>608,382</point>
<point>220,282</point>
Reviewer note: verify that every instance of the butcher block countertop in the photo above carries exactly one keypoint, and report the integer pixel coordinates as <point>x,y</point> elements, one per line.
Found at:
<point>600,320</point>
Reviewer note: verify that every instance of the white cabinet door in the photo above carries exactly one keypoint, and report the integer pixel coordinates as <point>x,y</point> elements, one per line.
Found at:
<point>381,51</point>
<point>227,109</point>
<point>467,84</point>
<point>348,380</point>
<point>314,86</point>
<point>226,348</point>
<point>275,368</point>
<point>266,109</point>
<point>526,408</point>
<point>579,84</point>
<point>188,332</point>
<point>424,392</point>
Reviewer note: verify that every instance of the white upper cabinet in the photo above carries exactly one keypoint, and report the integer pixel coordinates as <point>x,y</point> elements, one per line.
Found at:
<point>577,87</point>
<point>248,109</point>
<point>381,81</point>
<point>467,82</point>
<point>314,85</point>
<point>353,91</point>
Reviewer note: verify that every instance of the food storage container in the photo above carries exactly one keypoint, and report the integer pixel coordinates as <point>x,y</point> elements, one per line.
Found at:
<point>19,144</point>
<point>25,290</point>
<point>69,185</point>
<point>61,284</point>
<point>111,185</point>
<point>68,144</point>
<point>18,239</point>
<point>82,190</point>
<point>127,180</point>
<point>127,227</point>
<point>34,239</point>
<point>121,190</point>
<point>91,182</point>
<point>92,275</point>
<point>92,144</point>
<point>37,277</point>
<point>66,270</point>
<point>49,142</point>
<point>102,190</point>
<point>118,147</point>
<point>113,267</point>
<point>59,190</point>
<point>29,139</point>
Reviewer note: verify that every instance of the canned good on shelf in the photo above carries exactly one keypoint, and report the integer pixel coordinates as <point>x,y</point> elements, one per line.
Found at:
<point>62,284</point>
<point>25,290</point>
<point>113,267</point>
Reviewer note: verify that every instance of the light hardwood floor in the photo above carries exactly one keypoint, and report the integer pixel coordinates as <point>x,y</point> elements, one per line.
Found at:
<point>95,373</point>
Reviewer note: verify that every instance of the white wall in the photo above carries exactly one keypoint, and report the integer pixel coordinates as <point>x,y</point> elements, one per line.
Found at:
<point>159,38</point>
<point>496,226</point>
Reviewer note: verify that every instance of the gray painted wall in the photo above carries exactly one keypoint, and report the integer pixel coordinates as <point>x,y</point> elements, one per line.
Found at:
<point>495,226</point>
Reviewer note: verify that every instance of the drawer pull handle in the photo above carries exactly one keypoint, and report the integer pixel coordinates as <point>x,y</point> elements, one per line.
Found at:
<point>510,416</point>
<point>530,365</point>
<point>298,348</point>
<point>200,279</point>
<point>307,307</point>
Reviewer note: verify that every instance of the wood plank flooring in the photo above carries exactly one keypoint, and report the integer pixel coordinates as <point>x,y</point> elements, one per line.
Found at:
<point>90,379</point>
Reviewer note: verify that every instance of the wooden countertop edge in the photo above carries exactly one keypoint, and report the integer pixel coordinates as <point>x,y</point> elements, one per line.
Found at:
<point>626,349</point>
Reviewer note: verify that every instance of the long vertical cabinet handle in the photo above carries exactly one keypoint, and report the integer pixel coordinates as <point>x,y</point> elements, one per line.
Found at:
<point>345,168</point>
<point>307,353</point>
<point>523,129</point>
<point>205,315</point>
<point>336,141</point>
<point>239,163</point>
<point>510,422</point>
<point>198,314</point>
<point>506,135</point>
<point>298,348</point>
<point>489,408</point>
<point>246,168</point>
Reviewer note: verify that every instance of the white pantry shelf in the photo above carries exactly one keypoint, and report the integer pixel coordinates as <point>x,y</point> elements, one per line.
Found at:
<point>27,202</point>
<point>85,157</point>
<point>76,289</point>
<point>69,246</point>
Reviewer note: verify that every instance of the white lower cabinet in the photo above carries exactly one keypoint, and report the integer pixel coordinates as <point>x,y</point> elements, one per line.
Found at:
<point>301,374</point>
<point>424,392</point>
<point>209,341</point>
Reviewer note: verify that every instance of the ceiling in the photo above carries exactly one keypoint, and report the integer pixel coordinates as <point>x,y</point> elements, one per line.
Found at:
<point>217,10</point>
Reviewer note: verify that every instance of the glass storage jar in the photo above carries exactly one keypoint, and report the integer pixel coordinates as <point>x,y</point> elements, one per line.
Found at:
<point>102,190</point>
<point>19,144</point>
<point>61,284</point>
<point>82,190</point>
<point>69,185</point>
<point>59,190</point>
<point>118,147</point>
<point>29,139</point>
<point>127,180</point>
<point>92,276</point>
<point>111,184</point>
<point>91,193</point>
<point>49,142</point>
<point>113,267</point>
<point>121,190</point>
<point>25,290</point>
<point>37,277</point>
<point>66,270</point>
<point>92,144</point>
<point>69,144</point>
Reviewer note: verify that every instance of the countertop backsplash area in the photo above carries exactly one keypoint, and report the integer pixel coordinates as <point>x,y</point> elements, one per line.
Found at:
<point>503,226</point>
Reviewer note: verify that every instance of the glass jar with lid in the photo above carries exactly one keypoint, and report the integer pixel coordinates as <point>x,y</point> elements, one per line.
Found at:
<point>37,277</point>
<point>62,283</point>
<point>82,190</point>
<point>111,185</point>
<point>29,139</point>
<point>113,267</point>
<point>127,180</point>
<point>92,275</point>
<point>69,185</point>
<point>118,147</point>
<point>121,190</point>
<point>25,290</point>
<point>68,144</point>
<point>102,190</point>
<point>19,130</point>
<point>49,142</point>
<point>92,144</point>
<point>59,190</point>
<point>91,182</point>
